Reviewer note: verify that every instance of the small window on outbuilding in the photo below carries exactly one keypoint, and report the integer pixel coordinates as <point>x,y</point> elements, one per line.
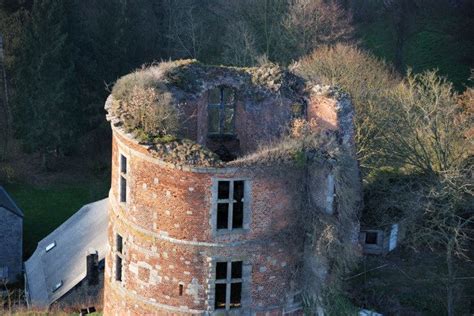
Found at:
<point>221,111</point>
<point>50,246</point>
<point>371,238</point>
<point>57,286</point>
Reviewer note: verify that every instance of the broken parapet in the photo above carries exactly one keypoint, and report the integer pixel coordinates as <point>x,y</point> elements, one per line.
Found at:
<point>332,108</point>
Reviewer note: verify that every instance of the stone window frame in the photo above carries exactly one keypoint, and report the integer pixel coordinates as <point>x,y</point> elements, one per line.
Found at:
<point>125,176</point>
<point>246,295</point>
<point>118,253</point>
<point>246,208</point>
<point>221,107</point>
<point>372,246</point>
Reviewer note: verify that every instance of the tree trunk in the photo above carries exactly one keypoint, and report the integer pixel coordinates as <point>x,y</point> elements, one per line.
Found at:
<point>451,276</point>
<point>4,103</point>
<point>401,20</point>
<point>44,162</point>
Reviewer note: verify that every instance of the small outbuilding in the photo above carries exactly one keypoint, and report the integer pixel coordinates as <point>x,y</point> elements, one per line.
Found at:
<point>11,238</point>
<point>67,265</point>
<point>381,240</point>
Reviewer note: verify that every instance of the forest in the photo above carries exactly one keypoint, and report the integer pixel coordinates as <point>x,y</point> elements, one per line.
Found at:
<point>407,65</point>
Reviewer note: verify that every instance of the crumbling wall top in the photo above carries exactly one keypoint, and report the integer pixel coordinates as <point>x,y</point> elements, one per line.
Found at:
<point>165,107</point>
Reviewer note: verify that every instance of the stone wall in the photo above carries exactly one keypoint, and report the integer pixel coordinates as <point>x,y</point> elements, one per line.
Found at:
<point>11,249</point>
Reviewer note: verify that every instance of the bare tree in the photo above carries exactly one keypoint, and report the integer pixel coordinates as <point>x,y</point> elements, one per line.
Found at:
<point>425,134</point>
<point>312,23</point>
<point>255,25</point>
<point>367,79</point>
<point>419,132</point>
<point>239,43</point>
<point>186,28</point>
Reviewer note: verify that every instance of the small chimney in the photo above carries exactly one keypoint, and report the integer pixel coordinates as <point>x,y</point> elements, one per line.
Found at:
<point>92,268</point>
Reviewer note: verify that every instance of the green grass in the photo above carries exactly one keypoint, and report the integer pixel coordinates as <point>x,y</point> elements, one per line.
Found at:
<point>45,208</point>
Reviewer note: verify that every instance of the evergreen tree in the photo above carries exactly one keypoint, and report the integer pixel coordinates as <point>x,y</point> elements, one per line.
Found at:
<point>46,104</point>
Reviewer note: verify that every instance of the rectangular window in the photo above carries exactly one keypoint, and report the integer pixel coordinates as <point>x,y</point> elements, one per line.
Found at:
<point>213,119</point>
<point>123,164</point>
<point>371,238</point>
<point>50,246</point>
<point>123,178</point>
<point>228,288</point>
<point>220,296</point>
<point>57,286</point>
<point>119,243</point>
<point>238,207</point>
<point>222,215</point>
<point>230,204</point>
<point>118,268</point>
<point>221,111</point>
<point>228,121</point>
<point>123,189</point>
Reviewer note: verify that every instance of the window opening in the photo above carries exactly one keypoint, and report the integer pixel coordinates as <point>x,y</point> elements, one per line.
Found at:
<point>238,207</point>
<point>119,243</point>
<point>230,204</point>
<point>118,268</point>
<point>123,178</point>
<point>228,287</point>
<point>123,189</point>
<point>123,164</point>
<point>180,290</point>
<point>221,111</point>
<point>57,286</point>
<point>371,238</point>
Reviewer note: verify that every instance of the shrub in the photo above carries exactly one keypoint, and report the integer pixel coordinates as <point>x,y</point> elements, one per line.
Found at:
<point>366,78</point>
<point>146,110</point>
<point>126,84</point>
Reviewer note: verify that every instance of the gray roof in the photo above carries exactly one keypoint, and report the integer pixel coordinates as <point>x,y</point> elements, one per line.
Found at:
<point>7,203</point>
<point>81,234</point>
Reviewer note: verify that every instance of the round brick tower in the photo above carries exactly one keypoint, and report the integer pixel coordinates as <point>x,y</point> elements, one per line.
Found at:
<point>224,238</point>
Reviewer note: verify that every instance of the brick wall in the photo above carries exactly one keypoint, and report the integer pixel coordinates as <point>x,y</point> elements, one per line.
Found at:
<point>169,239</point>
<point>255,122</point>
<point>168,221</point>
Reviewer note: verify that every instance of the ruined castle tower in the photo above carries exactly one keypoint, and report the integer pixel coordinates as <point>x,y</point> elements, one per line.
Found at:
<point>210,222</point>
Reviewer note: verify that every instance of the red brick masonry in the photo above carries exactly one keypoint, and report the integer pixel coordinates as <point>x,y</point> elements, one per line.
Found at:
<point>169,237</point>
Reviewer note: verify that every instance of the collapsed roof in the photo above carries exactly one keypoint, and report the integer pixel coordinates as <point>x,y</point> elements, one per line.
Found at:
<point>173,109</point>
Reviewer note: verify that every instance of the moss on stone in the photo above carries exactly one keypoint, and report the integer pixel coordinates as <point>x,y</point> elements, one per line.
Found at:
<point>185,152</point>
<point>174,82</point>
